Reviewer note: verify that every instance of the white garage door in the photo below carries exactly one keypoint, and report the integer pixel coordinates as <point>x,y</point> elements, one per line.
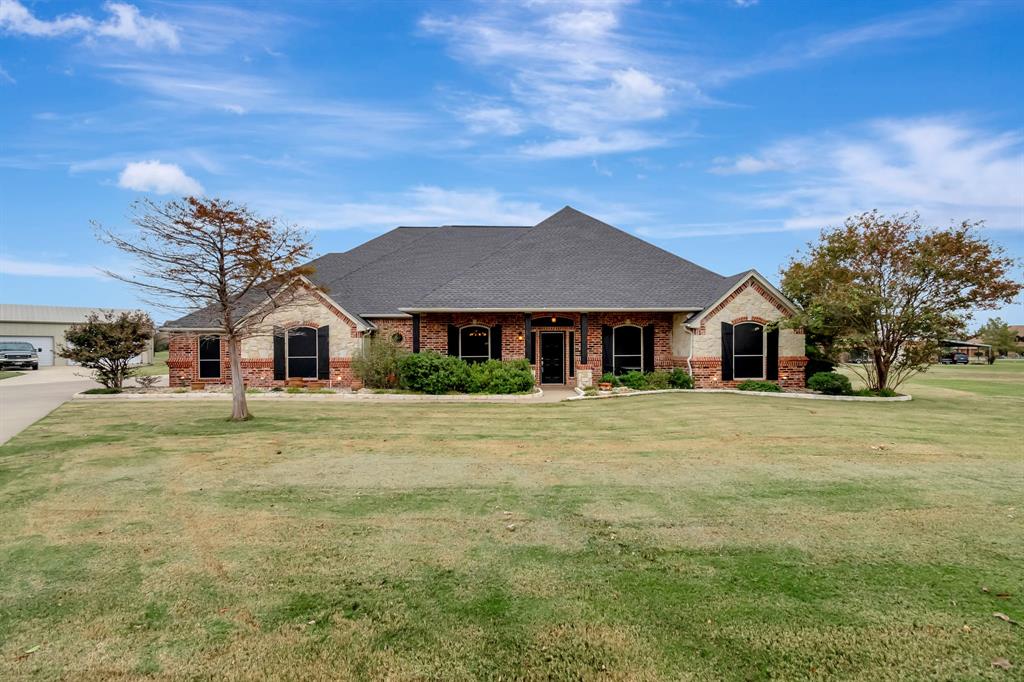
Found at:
<point>44,342</point>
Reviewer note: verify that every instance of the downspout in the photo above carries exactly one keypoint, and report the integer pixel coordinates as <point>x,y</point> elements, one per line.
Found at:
<point>689,358</point>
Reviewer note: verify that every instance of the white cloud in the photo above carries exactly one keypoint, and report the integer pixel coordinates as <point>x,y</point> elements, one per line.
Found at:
<point>125,23</point>
<point>158,177</point>
<point>422,205</point>
<point>940,167</point>
<point>29,268</point>
<point>568,68</point>
<point>590,145</point>
<point>6,77</point>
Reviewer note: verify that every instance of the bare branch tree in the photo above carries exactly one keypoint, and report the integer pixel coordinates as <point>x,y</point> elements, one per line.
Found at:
<point>216,256</point>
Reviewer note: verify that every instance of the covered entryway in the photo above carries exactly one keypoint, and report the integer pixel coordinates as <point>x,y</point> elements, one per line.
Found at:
<point>552,357</point>
<point>45,343</point>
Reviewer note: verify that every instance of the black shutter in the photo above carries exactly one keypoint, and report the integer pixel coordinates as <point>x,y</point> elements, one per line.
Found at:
<point>416,333</point>
<point>279,372</point>
<point>496,342</point>
<point>606,349</point>
<point>583,339</point>
<point>572,354</point>
<point>648,337</point>
<point>323,353</point>
<point>453,340</point>
<point>726,351</point>
<point>772,356</point>
<point>528,336</point>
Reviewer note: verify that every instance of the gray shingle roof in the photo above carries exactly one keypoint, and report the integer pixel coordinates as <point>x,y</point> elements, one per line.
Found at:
<point>569,261</point>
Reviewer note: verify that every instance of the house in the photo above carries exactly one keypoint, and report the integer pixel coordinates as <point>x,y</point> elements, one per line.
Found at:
<point>44,327</point>
<point>575,296</point>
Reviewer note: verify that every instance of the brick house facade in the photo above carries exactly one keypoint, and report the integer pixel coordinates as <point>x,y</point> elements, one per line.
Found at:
<point>653,311</point>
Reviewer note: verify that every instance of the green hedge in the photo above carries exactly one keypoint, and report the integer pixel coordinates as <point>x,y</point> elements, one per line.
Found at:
<point>830,383</point>
<point>652,381</point>
<point>431,372</point>
<point>760,386</point>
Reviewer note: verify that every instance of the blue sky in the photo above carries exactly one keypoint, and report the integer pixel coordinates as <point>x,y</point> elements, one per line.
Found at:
<point>726,132</point>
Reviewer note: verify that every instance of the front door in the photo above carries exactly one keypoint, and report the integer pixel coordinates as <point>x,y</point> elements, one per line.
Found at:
<point>552,358</point>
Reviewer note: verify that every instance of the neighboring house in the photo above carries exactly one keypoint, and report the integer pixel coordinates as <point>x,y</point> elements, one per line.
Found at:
<point>44,326</point>
<point>573,295</point>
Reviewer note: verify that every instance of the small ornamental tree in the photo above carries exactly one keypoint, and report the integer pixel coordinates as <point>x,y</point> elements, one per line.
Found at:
<point>107,342</point>
<point>893,288</point>
<point>998,334</point>
<point>217,256</point>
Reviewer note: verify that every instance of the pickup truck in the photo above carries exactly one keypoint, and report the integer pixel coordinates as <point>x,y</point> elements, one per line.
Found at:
<point>19,354</point>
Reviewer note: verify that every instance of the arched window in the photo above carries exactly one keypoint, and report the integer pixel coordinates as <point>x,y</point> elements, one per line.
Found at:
<point>302,359</point>
<point>748,351</point>
<point>475,343</point>
<point>627,349</point>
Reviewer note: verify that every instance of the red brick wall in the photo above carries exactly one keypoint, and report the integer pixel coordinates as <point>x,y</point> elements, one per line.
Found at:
<point>707,372</point>
<point>387,326</point>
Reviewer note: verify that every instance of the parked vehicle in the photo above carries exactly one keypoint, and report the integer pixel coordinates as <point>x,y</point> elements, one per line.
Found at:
<point>954,359</point>
<point>19,354</point>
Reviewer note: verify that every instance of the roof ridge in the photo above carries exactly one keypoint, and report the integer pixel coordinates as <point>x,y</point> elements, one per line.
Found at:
<point>474,264</point>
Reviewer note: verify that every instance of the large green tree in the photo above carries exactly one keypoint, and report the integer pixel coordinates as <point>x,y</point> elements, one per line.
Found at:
<point>998,334</point>
<point>892,288</point>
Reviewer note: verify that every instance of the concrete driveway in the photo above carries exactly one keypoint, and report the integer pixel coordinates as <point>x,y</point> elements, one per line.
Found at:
<point>26,399</point>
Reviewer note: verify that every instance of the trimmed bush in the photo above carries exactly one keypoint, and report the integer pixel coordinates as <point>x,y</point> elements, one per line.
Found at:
<point>657,381</point>
<point>830,383</point>
<point>431,372</point>
<point>760,386</point>
<point>377,362</point>
<point>102,391</point>
<point>635,380</point>
<point>495,376</point>
<point>610,378</point>
<point>679,378</point>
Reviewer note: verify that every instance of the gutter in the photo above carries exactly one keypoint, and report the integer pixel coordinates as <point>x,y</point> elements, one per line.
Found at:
<point>544,309</point>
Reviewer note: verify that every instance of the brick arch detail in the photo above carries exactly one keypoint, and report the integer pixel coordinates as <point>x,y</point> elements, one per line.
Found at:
<point>750,318</point>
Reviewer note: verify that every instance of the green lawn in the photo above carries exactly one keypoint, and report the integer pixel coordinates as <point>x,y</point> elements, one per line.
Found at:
<point>159,365</point>
<point>7,374</point>
<point>671,537</point>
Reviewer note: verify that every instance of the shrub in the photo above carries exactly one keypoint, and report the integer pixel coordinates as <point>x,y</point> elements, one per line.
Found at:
<point>609,378</point>
<point>147,381</point>
<point>102,391</point>
<point>657,381</point>
<point>635,380</point>
<point>377,362</point>
<point>679,378</point>
<point>830,383</point>
<point>431,372</point>
<point>495,376</point>
<point>107,342</point>
<point>760,386</point>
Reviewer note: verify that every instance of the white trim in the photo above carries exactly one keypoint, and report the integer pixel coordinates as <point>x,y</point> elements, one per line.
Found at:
<point>695,321</point>
<point>475,326</point>
<point>629,355</point>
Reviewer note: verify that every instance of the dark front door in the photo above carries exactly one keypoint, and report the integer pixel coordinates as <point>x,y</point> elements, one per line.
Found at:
<point>552,358</point>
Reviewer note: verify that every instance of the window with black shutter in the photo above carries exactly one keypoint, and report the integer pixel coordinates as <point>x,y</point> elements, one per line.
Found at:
<point>627,349</point>
<point>474,343</point>
<point>748,351</point>
<point>302,353</point>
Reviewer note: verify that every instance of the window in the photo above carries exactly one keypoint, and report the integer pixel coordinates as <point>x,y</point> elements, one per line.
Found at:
<point>209,357</point>
<point>397,337</point>
<point>748,351</point>
<point>302,353</point>
<point>475,344</point>
<point>627,349</point>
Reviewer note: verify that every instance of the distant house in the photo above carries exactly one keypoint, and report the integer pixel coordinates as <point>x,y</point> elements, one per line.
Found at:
<point>573,295</point>
<point>44,325</point>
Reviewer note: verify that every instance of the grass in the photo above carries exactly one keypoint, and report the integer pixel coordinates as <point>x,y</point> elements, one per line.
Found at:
<point>676,536</point>
<point>159,366</point>
<point>7,374</point>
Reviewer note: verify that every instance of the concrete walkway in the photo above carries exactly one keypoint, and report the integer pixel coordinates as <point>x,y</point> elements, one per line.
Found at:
<point>26,399</point>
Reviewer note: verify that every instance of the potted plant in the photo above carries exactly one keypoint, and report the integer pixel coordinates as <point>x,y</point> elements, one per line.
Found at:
<point>357,385</point>
<point>608,381</point>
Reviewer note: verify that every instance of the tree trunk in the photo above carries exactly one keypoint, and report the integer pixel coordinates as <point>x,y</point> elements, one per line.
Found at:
<point>881,371</point>
<point>239,407</point>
